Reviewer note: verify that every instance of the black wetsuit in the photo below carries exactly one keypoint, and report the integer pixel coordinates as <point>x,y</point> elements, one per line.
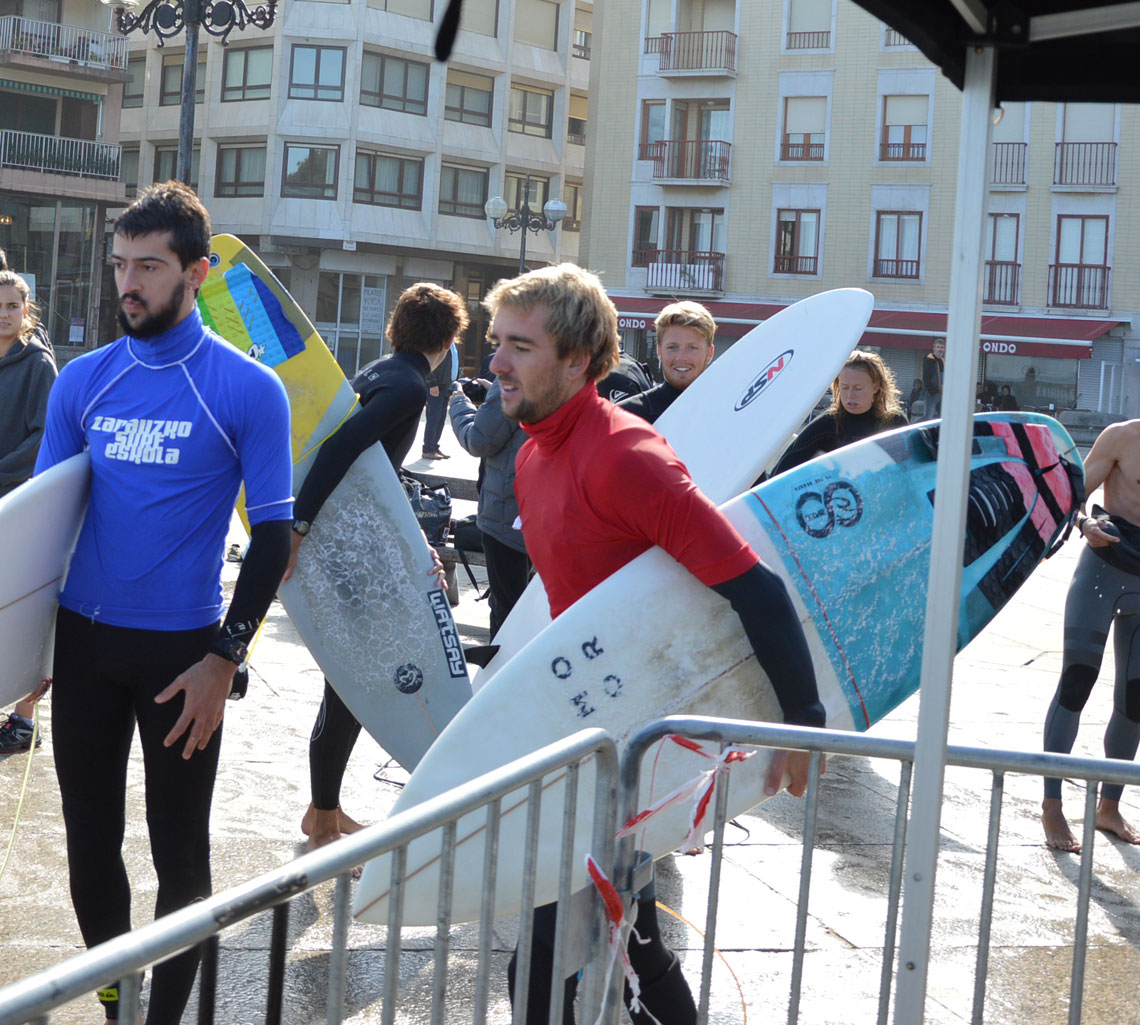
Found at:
<point>629,378</point>
<point>831,431</point>
<point>392,393</point>
<point>650,404</point>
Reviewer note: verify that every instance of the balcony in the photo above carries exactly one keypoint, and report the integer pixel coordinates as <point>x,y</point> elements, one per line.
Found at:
<point>801,150</point>
<point>1084,163</point>
<point>713,52</point>
<point>1002,278</point>
<point>1008,167</point>
<point>1079,286</point>
<point>896,268</point>
<point>809,40</point>
<point>795,264</point>
<point>892,37</point>
<point>49,154</point>
<point>701,161</point>
<point>78,48</point>
<point>902,151</point>
<point>682,270</point>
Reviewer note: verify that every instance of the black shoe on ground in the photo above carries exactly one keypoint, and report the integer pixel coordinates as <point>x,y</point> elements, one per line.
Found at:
<point>16,734</point>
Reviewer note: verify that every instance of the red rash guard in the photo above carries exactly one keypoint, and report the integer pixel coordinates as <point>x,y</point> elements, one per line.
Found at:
<point>597,486</point>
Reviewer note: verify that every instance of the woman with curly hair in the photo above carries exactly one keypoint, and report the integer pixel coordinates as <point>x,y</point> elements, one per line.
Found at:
<point>864,400</point>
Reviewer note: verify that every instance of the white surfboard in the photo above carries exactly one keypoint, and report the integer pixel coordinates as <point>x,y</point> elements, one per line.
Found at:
<point>850,535</point>
<point>734,419</point>
<point>39,523</point>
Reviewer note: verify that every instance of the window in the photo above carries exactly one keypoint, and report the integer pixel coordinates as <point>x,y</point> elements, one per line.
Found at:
<point>383,180</point>
<point>421,9</point>
<point>170,87</point>
<point>582,40</point>
<point>469,98</point>
<point>481,16</point>
<point>133,90</point>
<point>166,164</point>
<point>646,221</point>
<point>536,22</point>
<point>350,316</point>
<point>1080,275</point>
<point>898,240</point>
<point>317,73</point>
<point>462,191</point>
<point>1087,153</point>
<point>241,171</point>
<point>809,25</point>
<point>247,74</point>
<point>530,111</point>
<point>1001,259</point>
<point>393,83</point>
<point>576,123</point>
<point>904,128</point>
<point>797,242</point>
<point>513,191</point>
<point>805,127</point>
<point>572,197</point>
<point>129,169</point>
<point>696,229</point>
<point>652,129</point>
<point>310,172</point>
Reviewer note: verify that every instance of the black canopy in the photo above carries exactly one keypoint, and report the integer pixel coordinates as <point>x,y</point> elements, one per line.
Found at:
<point>1059,50</point>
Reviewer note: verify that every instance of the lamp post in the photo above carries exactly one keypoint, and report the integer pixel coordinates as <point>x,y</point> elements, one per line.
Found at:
<point>525,219</point>
<point>166,18</point>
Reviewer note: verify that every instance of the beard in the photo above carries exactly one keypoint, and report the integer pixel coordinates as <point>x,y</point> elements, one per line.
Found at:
<point>154,322</point>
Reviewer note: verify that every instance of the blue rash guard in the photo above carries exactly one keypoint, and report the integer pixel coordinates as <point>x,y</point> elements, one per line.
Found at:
<point>174,425</point>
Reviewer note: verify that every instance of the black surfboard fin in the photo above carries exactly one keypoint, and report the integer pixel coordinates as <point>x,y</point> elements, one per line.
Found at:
<point>481,654</point>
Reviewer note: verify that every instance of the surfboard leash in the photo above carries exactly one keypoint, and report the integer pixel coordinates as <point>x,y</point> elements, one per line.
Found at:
<point>719,953</point>
<point>23,788</point>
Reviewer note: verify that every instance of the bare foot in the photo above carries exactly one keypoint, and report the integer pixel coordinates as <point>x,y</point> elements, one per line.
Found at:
<point>1109,819</point>
<point>1057,832</point>
<point>344,823</point>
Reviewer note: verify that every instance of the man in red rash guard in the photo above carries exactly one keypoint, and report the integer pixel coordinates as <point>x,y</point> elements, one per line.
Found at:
<point>596,487</point>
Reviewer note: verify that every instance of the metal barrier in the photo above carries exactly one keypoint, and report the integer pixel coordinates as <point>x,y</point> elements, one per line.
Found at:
<point>726,732</point>
<point>123,958</point>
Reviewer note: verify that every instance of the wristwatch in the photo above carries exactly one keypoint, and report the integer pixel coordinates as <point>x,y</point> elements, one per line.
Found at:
<point>230,648</point>
<point>302,527</point>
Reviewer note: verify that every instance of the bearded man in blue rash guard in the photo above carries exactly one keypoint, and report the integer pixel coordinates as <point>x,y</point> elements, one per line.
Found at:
<point>175,420</point>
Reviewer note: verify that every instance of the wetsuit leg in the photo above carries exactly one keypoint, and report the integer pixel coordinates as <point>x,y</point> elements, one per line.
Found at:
<point>542,972</point>
<point>1122,736</point>
<point>334,735</point>
<point>1088,611</point>
<point>508,573</point>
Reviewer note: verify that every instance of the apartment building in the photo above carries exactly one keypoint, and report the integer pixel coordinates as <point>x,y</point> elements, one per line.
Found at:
<point>355,164</point>
<point>62,73</point>
<point>770,149</point>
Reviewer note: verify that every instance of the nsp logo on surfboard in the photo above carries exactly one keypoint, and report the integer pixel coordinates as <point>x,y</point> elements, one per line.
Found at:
<point>763,379</point>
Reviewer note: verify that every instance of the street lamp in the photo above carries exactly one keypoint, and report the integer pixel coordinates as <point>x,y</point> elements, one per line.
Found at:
<point>525,219</point>
<point>166,18</point>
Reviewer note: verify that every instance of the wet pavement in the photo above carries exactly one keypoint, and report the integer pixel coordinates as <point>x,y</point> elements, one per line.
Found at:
<point>1003,683</point>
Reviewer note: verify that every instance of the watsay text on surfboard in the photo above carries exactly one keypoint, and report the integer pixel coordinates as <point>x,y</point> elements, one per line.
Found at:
<point>142,441</point>
<point>447,633</point>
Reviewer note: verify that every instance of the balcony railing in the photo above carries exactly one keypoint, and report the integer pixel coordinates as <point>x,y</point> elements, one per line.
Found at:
<point>63,42</point>
<point>1008,166</point>
<point>801,150</point>
<point>53,155</point>
<point>694,51</point>
<point>684,270</point>
<point>1081,286</point>
<point>809,40</point>
<point>902,151</point>
<point>690,159</point>
<point>1001,282</point>
<point>1084,163</point>
<point>794,264</point>
<point>892,37</point>
<point>896,268</point>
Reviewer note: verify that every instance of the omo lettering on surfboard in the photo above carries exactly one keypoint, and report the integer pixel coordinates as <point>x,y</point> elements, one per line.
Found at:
<point>562,669</point>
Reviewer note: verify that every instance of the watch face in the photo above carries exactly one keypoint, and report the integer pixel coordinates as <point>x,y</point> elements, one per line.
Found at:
<point>301,527</point>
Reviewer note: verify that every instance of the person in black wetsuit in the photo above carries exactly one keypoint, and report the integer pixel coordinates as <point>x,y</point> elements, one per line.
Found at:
<point>685,332</point>
<point>865,401</point>
<point>392,390</point>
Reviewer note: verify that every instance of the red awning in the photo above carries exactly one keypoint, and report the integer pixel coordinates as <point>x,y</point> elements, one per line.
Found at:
<point>1062,337</point>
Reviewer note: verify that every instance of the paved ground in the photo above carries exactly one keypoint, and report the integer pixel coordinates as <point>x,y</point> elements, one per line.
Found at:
<point>1003,683</point>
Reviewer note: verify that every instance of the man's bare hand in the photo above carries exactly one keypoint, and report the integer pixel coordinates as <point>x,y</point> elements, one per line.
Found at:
<point>1096,535</point>
<point>40,691</point>
<point>795,765</point>
<point>437,568</point>
<point>205,687</point>
<point>295,540</point>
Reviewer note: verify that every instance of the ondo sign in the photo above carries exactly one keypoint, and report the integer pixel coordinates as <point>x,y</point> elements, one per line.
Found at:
<point>1002,348</point>
<point>633,323</point>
